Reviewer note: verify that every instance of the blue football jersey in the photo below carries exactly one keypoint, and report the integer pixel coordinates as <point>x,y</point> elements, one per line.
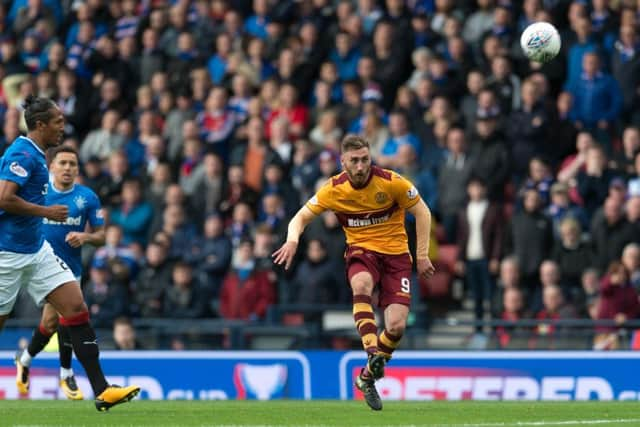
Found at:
<point>84,206</point>
<point>23,163</point>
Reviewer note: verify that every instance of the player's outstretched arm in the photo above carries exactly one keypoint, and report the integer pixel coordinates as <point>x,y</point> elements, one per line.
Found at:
<point>423,236</point>
<point>10,202</point>
<point>287,251</point>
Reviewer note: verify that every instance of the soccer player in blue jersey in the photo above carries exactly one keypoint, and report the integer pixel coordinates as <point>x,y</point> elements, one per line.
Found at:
<point>27,259</point>
<point>84,225</point>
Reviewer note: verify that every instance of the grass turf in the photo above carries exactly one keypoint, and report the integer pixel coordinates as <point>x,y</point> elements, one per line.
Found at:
<point>320,413</point>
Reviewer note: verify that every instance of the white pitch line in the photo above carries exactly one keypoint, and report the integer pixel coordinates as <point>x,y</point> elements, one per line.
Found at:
<point>548,423</point>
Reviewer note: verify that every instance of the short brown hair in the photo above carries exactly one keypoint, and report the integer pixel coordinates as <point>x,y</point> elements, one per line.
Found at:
<point>353,142</point>
<point>62,149</point>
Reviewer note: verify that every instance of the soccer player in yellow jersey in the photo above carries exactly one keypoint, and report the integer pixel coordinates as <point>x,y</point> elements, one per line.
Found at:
<point>370,203</point>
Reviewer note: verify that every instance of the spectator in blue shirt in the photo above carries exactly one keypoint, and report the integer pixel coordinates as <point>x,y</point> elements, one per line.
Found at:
<point>346,56</point>
<point>585,43</point>
<point>400,134</point>
<point>596,96</point>
<point>217,64</point>
<point>256,24</point>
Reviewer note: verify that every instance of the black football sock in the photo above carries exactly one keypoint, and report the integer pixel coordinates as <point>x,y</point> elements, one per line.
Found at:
<point>39,340</point>
<point>85,345</point>
<point>64,346</point>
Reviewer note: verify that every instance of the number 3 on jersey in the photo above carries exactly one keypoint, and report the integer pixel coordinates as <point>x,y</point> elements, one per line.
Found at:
<point>405,285</point>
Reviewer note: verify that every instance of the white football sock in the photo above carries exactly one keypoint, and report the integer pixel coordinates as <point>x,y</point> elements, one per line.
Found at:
<point>25,358</point>
<point>65,373</point>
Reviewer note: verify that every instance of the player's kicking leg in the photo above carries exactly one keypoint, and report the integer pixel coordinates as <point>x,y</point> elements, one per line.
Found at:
<point>362,283</point>
<point>68,301</point>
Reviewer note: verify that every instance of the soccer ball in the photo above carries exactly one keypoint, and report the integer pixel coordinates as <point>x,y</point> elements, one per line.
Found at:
<point>540,42</point>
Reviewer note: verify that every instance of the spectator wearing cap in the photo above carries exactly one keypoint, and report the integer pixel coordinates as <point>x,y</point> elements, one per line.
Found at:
<point>609,233</point>
<point>561,208</point>
<point>596,98</point>
<point>492,162</point>
<point>371,104</point>
<point>540,178</point>
<point>105,298</point>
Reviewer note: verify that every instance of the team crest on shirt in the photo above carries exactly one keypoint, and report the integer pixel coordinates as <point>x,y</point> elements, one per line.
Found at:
<point>412,193</point>
<point>381,198</point>
<point>18,170</point>
<point>80,202</point>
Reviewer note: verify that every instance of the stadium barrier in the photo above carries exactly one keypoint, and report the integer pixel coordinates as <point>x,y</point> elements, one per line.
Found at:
<point>412,375</point>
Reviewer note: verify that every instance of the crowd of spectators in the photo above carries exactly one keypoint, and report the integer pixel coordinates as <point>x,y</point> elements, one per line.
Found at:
<point>203,125</point>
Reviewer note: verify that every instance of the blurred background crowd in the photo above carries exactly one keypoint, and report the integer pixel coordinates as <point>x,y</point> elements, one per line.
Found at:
<point>204,125</point>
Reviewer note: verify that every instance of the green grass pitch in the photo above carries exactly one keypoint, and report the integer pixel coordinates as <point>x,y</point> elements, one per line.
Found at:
<point>320,413</point>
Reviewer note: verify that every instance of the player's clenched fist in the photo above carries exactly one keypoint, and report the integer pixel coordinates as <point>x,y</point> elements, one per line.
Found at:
<point>425,268</point>
<point>57,212</point>
<point>285,254</point>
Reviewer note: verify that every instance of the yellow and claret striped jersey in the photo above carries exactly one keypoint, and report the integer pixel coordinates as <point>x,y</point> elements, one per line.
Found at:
<point>372,216</point>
